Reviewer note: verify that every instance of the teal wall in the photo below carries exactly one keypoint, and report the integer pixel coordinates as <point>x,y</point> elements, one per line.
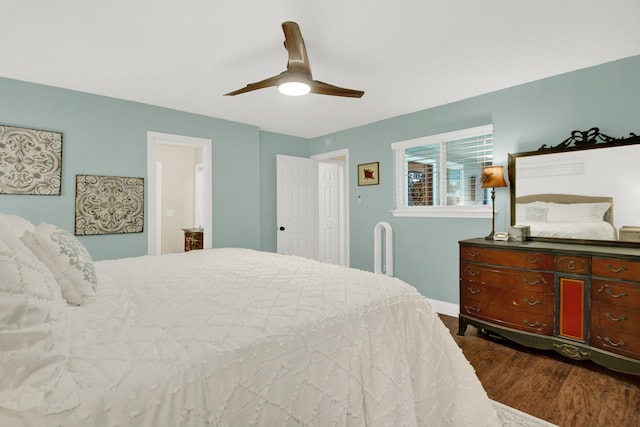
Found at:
<point>108,136</point>
<point>524,117</point>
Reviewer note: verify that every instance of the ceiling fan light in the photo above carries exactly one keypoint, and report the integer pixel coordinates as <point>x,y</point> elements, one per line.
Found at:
<point>294,88</point>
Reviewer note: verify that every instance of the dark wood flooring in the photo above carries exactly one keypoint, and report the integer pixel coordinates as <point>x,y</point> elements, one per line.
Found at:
<point>549,386</point>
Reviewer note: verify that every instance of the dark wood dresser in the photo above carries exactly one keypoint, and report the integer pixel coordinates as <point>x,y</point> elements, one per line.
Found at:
<point>193,239</point>
<point>582,301</point>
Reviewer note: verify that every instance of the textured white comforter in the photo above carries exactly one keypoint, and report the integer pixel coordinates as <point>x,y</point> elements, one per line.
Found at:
<point>591,230</point>
<point>234,337</point>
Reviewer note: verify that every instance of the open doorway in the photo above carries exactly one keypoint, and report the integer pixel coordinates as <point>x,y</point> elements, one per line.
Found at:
<point>179,175</point>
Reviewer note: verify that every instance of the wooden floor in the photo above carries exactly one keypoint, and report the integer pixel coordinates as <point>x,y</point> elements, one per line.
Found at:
<point>549,386</point>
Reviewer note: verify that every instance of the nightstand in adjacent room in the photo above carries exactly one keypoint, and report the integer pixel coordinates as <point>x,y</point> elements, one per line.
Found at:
<point>193,239</point>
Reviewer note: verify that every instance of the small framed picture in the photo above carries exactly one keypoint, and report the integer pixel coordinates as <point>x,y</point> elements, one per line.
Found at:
<point>368,174</point>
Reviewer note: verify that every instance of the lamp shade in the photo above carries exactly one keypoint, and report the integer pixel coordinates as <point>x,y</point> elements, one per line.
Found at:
<point>493,176</point>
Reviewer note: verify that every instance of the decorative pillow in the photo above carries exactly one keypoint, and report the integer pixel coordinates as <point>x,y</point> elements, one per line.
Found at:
<point>33,346</point>
<point>577,212</point>
<point>68,260</point>
<point>17,224</point>
<point>535,214</point>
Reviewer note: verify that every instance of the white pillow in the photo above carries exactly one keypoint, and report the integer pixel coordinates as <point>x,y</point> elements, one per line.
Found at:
<point>68,260</point>
<point>17,224</point>
<point>577,212</point>
<point>536,214</point>
<point>521,210</point>
<point>33,346</point>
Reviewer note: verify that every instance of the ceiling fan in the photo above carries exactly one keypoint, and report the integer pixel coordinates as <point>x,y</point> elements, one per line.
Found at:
<point>297,80</point>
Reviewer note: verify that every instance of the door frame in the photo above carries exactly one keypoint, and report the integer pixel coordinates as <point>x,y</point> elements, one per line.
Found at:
<point>154,217</point>
<point>332,155</point>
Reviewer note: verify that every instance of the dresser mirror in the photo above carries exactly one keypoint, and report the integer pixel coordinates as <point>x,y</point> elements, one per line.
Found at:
<point>585,189</point>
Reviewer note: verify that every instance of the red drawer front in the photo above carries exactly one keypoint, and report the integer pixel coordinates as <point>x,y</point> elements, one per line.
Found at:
<point>618,293</point>
<point>533,281</point>
<point>515,259</point>
<point>616,269</point>
<point>571,311</point>
<point>536,323</point>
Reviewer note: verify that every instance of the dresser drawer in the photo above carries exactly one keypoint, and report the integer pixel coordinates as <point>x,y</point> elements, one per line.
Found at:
<point>507,277</point>
<point>476,291</point>
<point>616,341</point>
<point>536,323</point>
<point>615,317</point>
<point>615,268</point>
<point>515,259</point>
<point>573,264</point>
<point>511,299</point>
<point>613,292</point>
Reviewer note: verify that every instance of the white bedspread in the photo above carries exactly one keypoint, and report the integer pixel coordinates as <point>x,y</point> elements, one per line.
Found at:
<point>590,230</point>
<point>234,337</point>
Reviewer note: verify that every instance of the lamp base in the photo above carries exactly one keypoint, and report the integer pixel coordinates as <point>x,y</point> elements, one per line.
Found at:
<point>490,236</point>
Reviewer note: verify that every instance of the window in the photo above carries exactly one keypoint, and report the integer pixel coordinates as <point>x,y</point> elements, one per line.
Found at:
<point>439,175</point>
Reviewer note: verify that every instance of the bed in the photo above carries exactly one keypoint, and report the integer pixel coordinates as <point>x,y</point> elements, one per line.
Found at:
<point>218,337</point>
<point>567,216</point>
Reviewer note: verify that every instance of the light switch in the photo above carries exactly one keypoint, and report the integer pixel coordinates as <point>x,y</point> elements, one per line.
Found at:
<point>170,212</point>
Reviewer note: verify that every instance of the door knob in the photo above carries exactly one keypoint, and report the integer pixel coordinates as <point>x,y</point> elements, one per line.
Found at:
<point>281,228</point>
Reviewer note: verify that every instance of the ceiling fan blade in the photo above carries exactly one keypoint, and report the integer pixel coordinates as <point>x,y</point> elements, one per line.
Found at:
<point>271,81</point>
<point>322,88</point>
<point>294,43</point>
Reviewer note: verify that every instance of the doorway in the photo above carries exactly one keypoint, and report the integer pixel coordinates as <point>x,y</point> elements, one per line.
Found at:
<point>180,191</point>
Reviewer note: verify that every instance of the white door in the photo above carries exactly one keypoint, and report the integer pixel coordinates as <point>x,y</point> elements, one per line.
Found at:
<point>329,212</point>
<point>297,205</point>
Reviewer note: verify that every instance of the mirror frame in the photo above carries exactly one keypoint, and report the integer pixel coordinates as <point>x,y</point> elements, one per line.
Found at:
<point>577,141</point>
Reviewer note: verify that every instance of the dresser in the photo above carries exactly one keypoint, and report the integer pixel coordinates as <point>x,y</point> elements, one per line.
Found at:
<point>582,301</point>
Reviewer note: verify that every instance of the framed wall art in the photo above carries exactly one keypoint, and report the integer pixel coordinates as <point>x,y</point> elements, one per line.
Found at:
<point>109,205</point>
<point>30,161</point>
<point>368,174</point>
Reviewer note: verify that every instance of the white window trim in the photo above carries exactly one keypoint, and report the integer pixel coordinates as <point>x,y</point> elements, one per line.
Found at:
<point>401,210</point>
<point>444,211</point>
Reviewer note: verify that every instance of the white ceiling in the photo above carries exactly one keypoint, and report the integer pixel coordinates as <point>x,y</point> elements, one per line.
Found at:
<point>407,55</point>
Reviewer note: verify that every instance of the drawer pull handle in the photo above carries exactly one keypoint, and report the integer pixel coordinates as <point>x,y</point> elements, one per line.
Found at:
<point>532,283</point>
<point>473,254</point>
<point>474,291</point>
<point>620,295</point>
<point>533,325</point>
<point>613,344</point>
<point>471,308</point>
<point>536,302</point>
<point>615,319</point>
<point>532,261</point>
<point>471,272</point>
<point>617,270</point>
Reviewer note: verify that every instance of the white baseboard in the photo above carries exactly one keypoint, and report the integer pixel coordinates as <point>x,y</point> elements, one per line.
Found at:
<point>443,307</point>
